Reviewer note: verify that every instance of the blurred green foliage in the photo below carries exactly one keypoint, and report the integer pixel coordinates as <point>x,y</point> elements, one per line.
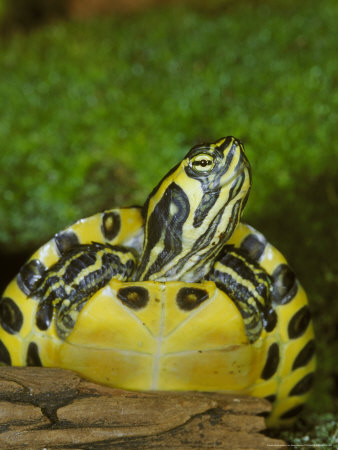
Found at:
<point>93,114</point>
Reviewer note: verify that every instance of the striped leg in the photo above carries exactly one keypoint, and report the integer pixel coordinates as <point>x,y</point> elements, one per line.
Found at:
<point>64,288</point>
<point>288,370</point>
<point>248,285</point>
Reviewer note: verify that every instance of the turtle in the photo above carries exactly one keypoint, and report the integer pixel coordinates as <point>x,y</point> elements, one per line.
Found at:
<point>178,294</point>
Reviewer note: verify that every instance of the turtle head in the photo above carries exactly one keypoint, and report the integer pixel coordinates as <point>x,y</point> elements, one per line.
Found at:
<point>193,211</point>
<point>221,173</point>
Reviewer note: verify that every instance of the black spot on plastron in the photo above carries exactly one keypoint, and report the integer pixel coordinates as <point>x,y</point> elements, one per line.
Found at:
<point>32,357</point>
<point>284,285</point>
<point>111,225</point>
<point>299,323</point>
<point>270,320</point>
<point>293,412</point>
<point>253,247</point>
<point>272,362</point>
<point>30,274</point>
<point>305,355</point>
<point>4,354</point>
<point>190,298</point>
<point>11,317</point>
<point>134,297</point>
<point>304,385</point>
<point>270,398</point>
<point>65,241</point>
<point>44,316</point>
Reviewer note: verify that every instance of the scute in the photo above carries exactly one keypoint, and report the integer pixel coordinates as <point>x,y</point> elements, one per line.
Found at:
<point>30,274</point>
<point>284,285</point>
<point>33,358</point>
<point>65,241</point>
<point>305,355</point>
<point>44,316</point>
<point>11,317</point>
<point>253,246</point>
<point>111,224</point>
<point>190,298</point>
<point>135,297</point>
<point>299,322</point>
<point>304,385</point>
<point>272,362</point>
<point>5,358</point>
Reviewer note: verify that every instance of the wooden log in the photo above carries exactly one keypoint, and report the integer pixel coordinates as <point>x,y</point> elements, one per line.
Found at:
<point>54,408</point>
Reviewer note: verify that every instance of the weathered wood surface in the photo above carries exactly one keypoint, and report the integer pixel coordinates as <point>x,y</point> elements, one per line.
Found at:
<point>53,408</point>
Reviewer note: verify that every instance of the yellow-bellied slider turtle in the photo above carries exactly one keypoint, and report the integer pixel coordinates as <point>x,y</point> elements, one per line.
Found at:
<point>177,295</point>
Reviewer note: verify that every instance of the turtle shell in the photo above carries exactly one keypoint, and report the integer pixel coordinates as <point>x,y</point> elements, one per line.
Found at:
<point>171,335</point>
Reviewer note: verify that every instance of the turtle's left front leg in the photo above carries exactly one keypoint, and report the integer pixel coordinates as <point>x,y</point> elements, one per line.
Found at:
<point>247,284</point>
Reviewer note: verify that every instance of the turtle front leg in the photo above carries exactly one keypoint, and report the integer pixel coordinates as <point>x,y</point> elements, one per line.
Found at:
<point>248,285</point>
<point>66,286</point>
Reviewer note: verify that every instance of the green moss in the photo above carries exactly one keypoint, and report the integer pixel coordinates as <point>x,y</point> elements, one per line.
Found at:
<point>143,89</point>
<point>93,114</point>
<point>318,430</point>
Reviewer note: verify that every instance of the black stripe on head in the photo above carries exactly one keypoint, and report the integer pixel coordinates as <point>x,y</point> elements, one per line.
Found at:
<point>155,190</point>
<point>227,142</point>
<point>168,217</point>
<point>209,198</point>
<point>202,242</point>
<point>205,239</point>
<point>236,186</point>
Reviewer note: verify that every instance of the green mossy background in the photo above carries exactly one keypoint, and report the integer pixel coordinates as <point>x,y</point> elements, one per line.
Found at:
<point>93,114</point>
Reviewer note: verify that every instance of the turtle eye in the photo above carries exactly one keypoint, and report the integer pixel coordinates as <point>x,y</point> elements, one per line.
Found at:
<point>202,162</point>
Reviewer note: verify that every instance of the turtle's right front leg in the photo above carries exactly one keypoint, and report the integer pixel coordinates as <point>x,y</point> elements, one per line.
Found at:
<point>66,286</point>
